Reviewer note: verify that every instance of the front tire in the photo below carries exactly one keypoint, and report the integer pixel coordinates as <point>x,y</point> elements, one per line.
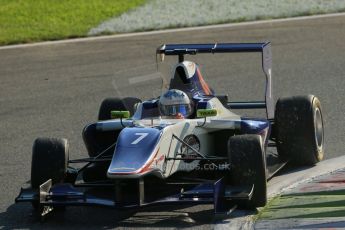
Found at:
<point>49,161</point>
<point>248,166</point>
<point>299,129</point>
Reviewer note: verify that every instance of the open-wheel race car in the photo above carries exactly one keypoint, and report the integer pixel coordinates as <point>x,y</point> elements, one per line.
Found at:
<point>185,147</point>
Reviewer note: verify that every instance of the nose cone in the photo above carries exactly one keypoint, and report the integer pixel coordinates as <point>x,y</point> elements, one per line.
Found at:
<point>134,152</point>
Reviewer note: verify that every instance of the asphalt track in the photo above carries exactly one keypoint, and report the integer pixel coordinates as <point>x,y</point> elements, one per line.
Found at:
<point>55,89</point>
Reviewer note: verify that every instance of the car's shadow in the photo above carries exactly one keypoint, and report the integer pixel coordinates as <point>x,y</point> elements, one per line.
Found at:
<point>21,216</point>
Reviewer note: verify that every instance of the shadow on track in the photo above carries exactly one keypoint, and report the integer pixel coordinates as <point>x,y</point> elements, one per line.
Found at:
<point>22,216</point>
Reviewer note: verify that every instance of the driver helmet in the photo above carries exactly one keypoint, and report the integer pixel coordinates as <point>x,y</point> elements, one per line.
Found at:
<point>175,104</point>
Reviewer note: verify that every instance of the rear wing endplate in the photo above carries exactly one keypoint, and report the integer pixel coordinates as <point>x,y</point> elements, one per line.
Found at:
<point>264,48</point>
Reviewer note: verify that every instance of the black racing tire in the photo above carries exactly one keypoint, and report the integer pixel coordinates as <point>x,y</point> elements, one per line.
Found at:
<point>248,167</point>
<point>113,103</point>
<point>299,130</point>
<point>49,161</point>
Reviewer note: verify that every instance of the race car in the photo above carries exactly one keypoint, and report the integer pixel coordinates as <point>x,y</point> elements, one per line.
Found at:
<point>187,146</point>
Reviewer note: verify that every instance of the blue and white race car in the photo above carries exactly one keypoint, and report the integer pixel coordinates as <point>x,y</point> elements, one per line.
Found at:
<point>187,146</point>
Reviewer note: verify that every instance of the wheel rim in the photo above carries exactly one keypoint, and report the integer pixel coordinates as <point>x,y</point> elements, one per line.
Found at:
<point>318,124</point>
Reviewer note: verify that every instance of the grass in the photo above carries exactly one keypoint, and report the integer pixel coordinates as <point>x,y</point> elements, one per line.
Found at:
<point>23,21</point>
<point>162,14</point>
<point>305,205</point>
<point>265,208</point>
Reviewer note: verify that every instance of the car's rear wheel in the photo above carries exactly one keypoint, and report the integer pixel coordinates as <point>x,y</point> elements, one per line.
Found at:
<point>248,166</point>
<point>49,161</point>
<point>299,129</point>
<point>121,104</point>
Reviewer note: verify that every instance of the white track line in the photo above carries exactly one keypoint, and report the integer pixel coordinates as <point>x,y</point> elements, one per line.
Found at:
<point>228,25</point>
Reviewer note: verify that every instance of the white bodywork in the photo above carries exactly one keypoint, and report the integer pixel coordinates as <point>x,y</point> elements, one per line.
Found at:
<point>167,146</point>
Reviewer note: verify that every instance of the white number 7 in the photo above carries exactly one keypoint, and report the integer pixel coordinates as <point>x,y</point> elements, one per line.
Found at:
<point>142,136</point>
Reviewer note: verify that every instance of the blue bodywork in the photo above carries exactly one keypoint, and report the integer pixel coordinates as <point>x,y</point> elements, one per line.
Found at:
<point>254,126</point>
<point>130,155</point>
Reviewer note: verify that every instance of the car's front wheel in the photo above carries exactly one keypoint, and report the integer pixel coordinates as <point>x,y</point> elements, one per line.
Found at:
<point>49,161</point>
<point>248,166</point>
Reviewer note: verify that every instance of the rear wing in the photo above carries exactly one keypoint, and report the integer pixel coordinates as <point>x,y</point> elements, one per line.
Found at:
<point>264,48</point>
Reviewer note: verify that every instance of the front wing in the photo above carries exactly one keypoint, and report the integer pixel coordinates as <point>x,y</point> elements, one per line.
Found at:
<point>222,197</point>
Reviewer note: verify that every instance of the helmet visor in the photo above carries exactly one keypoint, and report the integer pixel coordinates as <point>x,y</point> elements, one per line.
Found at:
<point>173,110</point>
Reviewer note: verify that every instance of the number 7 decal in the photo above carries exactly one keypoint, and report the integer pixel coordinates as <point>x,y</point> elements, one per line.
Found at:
<point>140,138</point>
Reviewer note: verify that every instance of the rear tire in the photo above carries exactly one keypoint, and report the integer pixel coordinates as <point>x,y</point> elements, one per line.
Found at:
<point>49,161</point>
<point>121,104</point>
<point>248,166</point>
<point>299,129</point>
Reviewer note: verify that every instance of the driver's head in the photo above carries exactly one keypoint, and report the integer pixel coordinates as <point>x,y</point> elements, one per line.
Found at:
<point>175,104</point>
